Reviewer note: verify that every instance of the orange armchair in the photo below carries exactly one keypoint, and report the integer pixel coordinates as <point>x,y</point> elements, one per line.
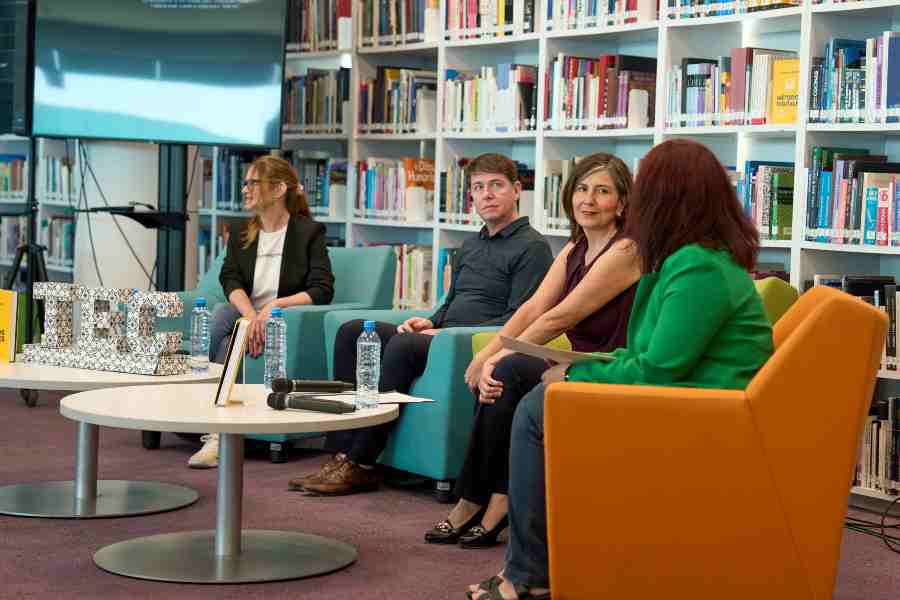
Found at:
<point>693,494</point>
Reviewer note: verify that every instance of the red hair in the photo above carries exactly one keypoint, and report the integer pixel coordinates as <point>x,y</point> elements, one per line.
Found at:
<point>682,196</point>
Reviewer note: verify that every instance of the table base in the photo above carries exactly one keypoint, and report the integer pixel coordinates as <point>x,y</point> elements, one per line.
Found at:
<point>115,498</point>
<point>189,557</point>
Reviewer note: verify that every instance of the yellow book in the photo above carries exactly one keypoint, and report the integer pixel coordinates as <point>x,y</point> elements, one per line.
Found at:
<point>785,90</point>
<point>8,302</point>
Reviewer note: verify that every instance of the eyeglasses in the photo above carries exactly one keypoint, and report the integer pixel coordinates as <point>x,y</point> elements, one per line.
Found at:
<point>249,183</point>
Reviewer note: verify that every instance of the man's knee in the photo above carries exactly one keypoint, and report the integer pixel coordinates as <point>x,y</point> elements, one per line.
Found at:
<point>349,331</point>
<point>400,347</point>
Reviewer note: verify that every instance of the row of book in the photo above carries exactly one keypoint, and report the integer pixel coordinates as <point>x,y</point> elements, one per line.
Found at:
<point>396,22</point>
<point>575,14</point>
<point>13,306</point>
<point>692,9</point>
<point>857,81</point>
<point>766,192</point>
<point>13,173</point>
<point>395,189</point>
<point>468,19</point>
<point>320,25</point>
<point>230,173</point>
<point>412,287</point>
<point>493,99</point>
<point>57,234</point>
<point>456,205</point>
<point>878,467</point>
<point>853,197</point>
<point>610,91</point>
<point>398,100</point>
<point>58,179</point>
<point>13,233</point>
<point>317,101</point>
<point>751,86</point>
<point>325,181</point>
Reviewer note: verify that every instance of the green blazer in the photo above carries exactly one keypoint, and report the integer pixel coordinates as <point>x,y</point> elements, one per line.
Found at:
<point>698,322</point>
<point>305,266</point>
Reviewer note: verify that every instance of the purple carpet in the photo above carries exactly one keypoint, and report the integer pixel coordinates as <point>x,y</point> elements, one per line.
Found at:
<point>50,558</point>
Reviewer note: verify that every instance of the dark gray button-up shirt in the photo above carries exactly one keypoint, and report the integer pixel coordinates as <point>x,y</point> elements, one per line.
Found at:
<point>494,275</point>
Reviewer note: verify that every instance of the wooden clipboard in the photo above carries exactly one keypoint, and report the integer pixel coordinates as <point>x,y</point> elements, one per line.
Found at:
<point>237,346</point>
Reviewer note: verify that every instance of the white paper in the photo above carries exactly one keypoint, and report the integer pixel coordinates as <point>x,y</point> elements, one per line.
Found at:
<point>558,356</point>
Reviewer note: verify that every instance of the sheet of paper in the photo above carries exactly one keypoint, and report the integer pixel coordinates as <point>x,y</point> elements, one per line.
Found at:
<point>559,356</point>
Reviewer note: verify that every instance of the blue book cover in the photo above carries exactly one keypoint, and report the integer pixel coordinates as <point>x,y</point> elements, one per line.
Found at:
<point>824,219</point>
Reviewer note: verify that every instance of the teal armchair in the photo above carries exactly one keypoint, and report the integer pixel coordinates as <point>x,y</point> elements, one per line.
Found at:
<point>430,439</point>
<point>364,279</point>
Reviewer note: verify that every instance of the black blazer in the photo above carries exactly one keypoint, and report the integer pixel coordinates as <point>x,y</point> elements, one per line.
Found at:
<point>304,263</point>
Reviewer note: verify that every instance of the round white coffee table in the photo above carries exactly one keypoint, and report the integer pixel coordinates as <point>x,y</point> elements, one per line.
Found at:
<point>87,497</point>
<point>226,554</point>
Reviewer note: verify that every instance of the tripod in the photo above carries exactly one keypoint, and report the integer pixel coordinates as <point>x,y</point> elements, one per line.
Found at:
<point>36,268</point>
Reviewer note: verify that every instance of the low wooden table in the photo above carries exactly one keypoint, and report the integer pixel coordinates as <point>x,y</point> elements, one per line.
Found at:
<point>87,497</point>
<point>226,554</point>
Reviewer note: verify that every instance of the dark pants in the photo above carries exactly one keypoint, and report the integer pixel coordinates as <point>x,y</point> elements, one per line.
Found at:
<point>485,470</point>
<point>403,359</point>
<point>526,553</point>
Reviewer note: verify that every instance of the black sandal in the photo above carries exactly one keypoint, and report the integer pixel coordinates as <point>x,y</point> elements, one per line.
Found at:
<point>492,587</point>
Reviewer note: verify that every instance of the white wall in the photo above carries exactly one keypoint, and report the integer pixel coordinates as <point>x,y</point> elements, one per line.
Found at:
<point>126,172</point>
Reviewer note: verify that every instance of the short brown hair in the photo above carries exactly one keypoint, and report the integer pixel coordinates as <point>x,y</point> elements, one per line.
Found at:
<point>601,161</point>
<point>493,163</point>
<point>682,196</point>
<point>273,170</point>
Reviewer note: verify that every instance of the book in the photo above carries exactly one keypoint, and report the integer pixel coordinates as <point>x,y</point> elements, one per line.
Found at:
<point>8,318</point>
<point>552,354</point>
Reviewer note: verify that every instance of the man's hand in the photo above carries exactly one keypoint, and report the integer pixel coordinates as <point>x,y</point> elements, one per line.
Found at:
<point>555,374</point>
<point>415,325</point>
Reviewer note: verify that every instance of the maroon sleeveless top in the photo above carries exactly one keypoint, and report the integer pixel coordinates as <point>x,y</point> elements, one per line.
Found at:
<point>606,329</point>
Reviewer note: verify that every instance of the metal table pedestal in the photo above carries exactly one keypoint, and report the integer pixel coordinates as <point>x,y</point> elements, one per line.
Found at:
<point>88,498</point>
<point>227,554</point>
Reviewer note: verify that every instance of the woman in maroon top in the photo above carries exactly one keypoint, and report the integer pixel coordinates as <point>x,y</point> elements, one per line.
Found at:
<point>587,295</point>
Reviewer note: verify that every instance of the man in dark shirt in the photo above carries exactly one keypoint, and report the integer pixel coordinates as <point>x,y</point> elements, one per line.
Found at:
<point>493,274</point>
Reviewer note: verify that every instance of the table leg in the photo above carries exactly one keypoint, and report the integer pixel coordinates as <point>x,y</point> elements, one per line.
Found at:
<point>86,463</point>
<point>230,494</point>
<point>226,554</point>
<point>87,497</point>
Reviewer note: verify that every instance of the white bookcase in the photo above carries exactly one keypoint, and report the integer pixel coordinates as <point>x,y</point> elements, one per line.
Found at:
<point>57,195</point>
<point>804,29</point>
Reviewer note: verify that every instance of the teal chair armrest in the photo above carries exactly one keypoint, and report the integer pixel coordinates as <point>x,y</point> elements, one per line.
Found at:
<point>336,318</point>
<point>431,438</point>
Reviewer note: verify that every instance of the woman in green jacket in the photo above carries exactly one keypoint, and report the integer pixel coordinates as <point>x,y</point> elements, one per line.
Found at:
<point>696,321</point>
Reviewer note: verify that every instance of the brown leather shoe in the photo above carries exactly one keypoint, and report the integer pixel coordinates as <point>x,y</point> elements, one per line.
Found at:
<point>348,478</point>
<point>299,484</point>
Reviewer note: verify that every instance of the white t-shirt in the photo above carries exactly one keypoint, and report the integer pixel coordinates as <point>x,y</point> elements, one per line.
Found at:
<point>268,267</point>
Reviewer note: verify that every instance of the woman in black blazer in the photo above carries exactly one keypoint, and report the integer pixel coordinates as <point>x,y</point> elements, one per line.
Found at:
<point>279,259</point>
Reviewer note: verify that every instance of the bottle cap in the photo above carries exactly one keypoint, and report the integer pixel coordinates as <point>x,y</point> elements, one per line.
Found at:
<point>369,325</point>
<point>201,302</point>
<point>276,312</point>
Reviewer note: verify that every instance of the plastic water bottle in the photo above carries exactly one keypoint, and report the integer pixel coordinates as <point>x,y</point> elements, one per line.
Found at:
<point>276,344</point>
<point>200,338</point>
<point>368,366</point>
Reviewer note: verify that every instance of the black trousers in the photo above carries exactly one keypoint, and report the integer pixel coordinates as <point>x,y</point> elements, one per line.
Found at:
<point>485,470</point>
<point>403,359</point>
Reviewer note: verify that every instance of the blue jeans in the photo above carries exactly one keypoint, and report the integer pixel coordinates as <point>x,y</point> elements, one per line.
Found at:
<point>526,553</point>
<point>221,324</point>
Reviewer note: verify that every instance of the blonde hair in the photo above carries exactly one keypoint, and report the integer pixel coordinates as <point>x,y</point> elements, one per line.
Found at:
<point>271,171</point>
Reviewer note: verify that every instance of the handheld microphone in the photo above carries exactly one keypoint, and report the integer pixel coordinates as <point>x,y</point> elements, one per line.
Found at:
<point>286,386</point>
<point>280,401</point>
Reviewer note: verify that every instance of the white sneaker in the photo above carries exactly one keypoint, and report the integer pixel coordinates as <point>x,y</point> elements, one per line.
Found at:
<point>206,457</point>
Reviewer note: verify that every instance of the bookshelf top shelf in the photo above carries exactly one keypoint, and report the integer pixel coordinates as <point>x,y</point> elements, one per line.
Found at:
<point>419,48</point>
<point>386,223</point>
<point>775,244</point>
<point>292,52</point>
<point>504,40</point>
<point>648,28</point>
<point>491,135</point>
<point>886,250</point>
<point>882,128</point>
<point>776,13</point>
<point>638,132</point>
<point>396,137</point>
<point>752,130</point>
<point>295,136</point>
<point>834,7</point>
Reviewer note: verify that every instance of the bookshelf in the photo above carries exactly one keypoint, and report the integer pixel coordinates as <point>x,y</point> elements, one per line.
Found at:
<point>803,29</point>
<point>57,195</point>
